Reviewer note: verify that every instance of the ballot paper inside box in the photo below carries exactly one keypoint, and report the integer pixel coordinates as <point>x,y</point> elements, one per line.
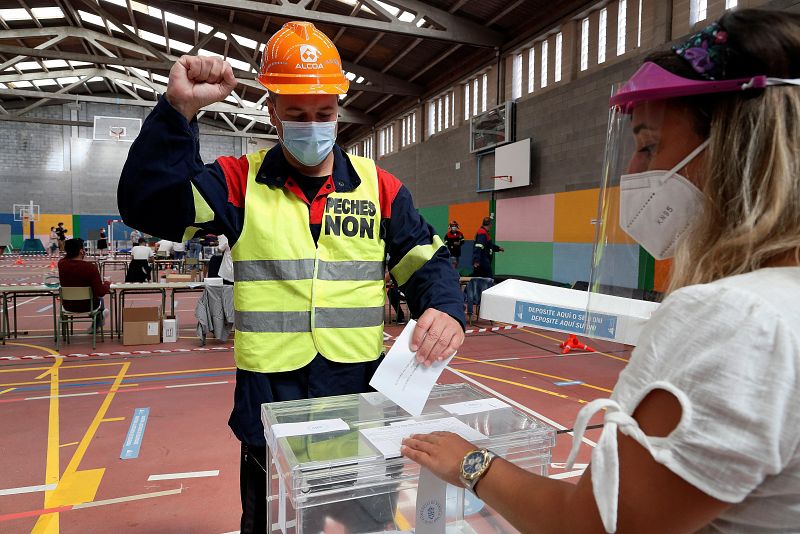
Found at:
<point>333,466</point>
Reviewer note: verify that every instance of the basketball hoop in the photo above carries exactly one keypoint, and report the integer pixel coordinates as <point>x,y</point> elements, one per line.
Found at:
<point>508,179</point>
<point>117,132</point>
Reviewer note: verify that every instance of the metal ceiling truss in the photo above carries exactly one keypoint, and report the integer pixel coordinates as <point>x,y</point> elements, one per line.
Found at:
<point>442,25</point>
<point>378,82</point>
<point>98,40</point>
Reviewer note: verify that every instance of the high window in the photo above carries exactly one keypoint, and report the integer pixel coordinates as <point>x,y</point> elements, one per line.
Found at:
<point>622,19</point>
<point>531,69</point>
<point>559,43</point>
<point>516,77</point>
<point>585,44</point>
<point>543,77</point>
<point>698,10</point>
<point>601,36</point>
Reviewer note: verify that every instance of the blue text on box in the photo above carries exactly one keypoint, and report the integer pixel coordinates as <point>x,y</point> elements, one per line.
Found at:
<point>565,319</point>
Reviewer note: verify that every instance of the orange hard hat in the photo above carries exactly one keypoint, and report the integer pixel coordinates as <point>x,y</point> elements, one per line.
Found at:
<point>301,60</point>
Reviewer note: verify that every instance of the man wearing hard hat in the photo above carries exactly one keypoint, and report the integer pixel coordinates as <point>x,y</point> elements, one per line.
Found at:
<point>309,228</point>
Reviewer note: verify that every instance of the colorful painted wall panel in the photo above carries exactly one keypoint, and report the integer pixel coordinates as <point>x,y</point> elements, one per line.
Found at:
<point>572,216</point>
<point>661,275</point>
<point>469,216</point>
<point>528,219</point>
<point>615,232</point>
<point>46,220</point>
<point>571,262</point>
<point>436,216</point>
<point>525,259</point>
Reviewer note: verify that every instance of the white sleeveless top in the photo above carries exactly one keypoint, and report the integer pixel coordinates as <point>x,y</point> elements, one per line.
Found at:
<point>729,351</point>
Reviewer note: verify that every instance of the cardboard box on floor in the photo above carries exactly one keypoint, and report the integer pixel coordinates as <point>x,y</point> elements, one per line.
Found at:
<point>141,326</point>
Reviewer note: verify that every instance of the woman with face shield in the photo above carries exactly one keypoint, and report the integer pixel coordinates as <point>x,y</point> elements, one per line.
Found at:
<point>702,431</point>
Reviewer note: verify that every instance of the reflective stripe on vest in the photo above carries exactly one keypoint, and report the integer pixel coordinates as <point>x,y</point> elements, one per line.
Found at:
<point>281,276</point>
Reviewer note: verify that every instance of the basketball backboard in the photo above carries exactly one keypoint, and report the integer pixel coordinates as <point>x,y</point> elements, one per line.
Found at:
<point>116,128</point>
<point>512,165</point>
<point>492,128</point>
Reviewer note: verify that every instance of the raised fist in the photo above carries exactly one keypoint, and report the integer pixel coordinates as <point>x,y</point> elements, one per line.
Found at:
<point>196,81</point>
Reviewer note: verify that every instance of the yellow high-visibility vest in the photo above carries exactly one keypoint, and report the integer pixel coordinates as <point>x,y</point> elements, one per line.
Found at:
<point>293,299</point>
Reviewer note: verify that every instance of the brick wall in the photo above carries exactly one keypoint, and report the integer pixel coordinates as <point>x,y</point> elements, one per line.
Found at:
<point>64,170</point>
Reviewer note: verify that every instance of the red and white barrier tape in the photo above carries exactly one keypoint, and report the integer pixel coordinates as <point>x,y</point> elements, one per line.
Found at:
<point>116,353</point>
<point>492,329</point>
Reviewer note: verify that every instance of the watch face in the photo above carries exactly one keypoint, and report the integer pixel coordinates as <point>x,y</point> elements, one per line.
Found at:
<point>473,463</point>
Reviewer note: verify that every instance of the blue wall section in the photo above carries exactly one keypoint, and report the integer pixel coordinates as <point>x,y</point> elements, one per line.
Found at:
<point>620,266</point>
<point>8,218</point>
<point>572,262</point>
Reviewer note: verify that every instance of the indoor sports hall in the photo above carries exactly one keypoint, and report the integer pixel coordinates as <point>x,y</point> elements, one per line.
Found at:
<point>433,266</point>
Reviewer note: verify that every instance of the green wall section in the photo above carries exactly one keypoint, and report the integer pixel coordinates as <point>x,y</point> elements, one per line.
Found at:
<point>436,217</point>
<point>76,225</point>
<point>525,259</point>
<point>647,269</point>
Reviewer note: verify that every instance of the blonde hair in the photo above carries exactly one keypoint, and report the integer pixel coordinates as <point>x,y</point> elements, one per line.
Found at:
<point>751,183</point>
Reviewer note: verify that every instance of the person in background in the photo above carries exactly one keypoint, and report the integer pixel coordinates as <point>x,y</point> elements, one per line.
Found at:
<point>61,232</point>
<point>454,239</point>
<point>53,245</point>
<point>102,242</point>
<point>283,210</point>
<point>225,268</point>
<point>483,250</point>
<point>178,250</point>
<point>139,269</point>
<point>702,430</point>
<point>74,272</point>
<point>195,248</point>
<point>164,246</point>
<point>395,295</point>
<point>136,235</point>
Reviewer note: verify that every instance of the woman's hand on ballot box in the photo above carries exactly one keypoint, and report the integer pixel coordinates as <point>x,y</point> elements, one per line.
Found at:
<point>440,452</point>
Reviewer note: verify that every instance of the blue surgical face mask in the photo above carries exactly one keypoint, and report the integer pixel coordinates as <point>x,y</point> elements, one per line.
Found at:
<point>309,142</point>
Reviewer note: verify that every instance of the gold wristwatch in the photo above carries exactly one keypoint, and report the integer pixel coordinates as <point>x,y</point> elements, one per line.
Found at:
<point>474,466</point>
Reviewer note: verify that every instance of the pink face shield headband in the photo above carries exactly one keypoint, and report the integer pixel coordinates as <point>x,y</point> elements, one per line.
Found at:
<point>651,82</point>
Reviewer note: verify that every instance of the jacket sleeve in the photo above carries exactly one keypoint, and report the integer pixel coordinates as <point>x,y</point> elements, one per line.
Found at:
<point>480,245</point>
<point>164,173</point>
<point>419,261</point>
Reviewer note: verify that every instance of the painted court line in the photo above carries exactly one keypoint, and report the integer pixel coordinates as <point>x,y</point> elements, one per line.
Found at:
<point>62,396</point>
<point>193,474</point>
<point>40,310</point>
<point>197,384</point>
<point>568,474</point>
<point>522,407</point>
<point>128,498</point>
<point>28,489</point>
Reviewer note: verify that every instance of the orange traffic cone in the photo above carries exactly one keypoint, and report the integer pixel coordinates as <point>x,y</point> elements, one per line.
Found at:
<point>53,265</point>
<point>19,262</point>
<point>573,342</point>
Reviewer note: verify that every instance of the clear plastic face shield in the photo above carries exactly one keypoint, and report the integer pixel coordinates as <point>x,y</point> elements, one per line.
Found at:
<point>650,183</point>
<point>650,191</point>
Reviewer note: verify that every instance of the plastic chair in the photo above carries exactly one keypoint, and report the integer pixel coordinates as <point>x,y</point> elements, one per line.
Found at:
<point>191,264</point>
<point>67,318</point>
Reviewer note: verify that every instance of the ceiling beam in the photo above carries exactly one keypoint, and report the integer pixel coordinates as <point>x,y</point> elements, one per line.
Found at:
<point>384,83</point>
<point>378,82</point>
<point>455,29</point>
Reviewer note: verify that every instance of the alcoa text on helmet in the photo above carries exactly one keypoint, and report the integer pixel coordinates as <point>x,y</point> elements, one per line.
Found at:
<point>301,60</point>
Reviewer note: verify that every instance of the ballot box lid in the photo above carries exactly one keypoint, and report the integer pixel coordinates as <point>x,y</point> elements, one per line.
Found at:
<point>329,448</point>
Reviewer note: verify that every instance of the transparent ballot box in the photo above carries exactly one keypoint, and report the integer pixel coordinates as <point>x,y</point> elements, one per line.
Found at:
<point>334,462</point>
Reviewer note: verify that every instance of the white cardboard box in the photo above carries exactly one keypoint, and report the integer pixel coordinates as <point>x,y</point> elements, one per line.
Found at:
<point>560,309</point>
<point>170,330</point>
